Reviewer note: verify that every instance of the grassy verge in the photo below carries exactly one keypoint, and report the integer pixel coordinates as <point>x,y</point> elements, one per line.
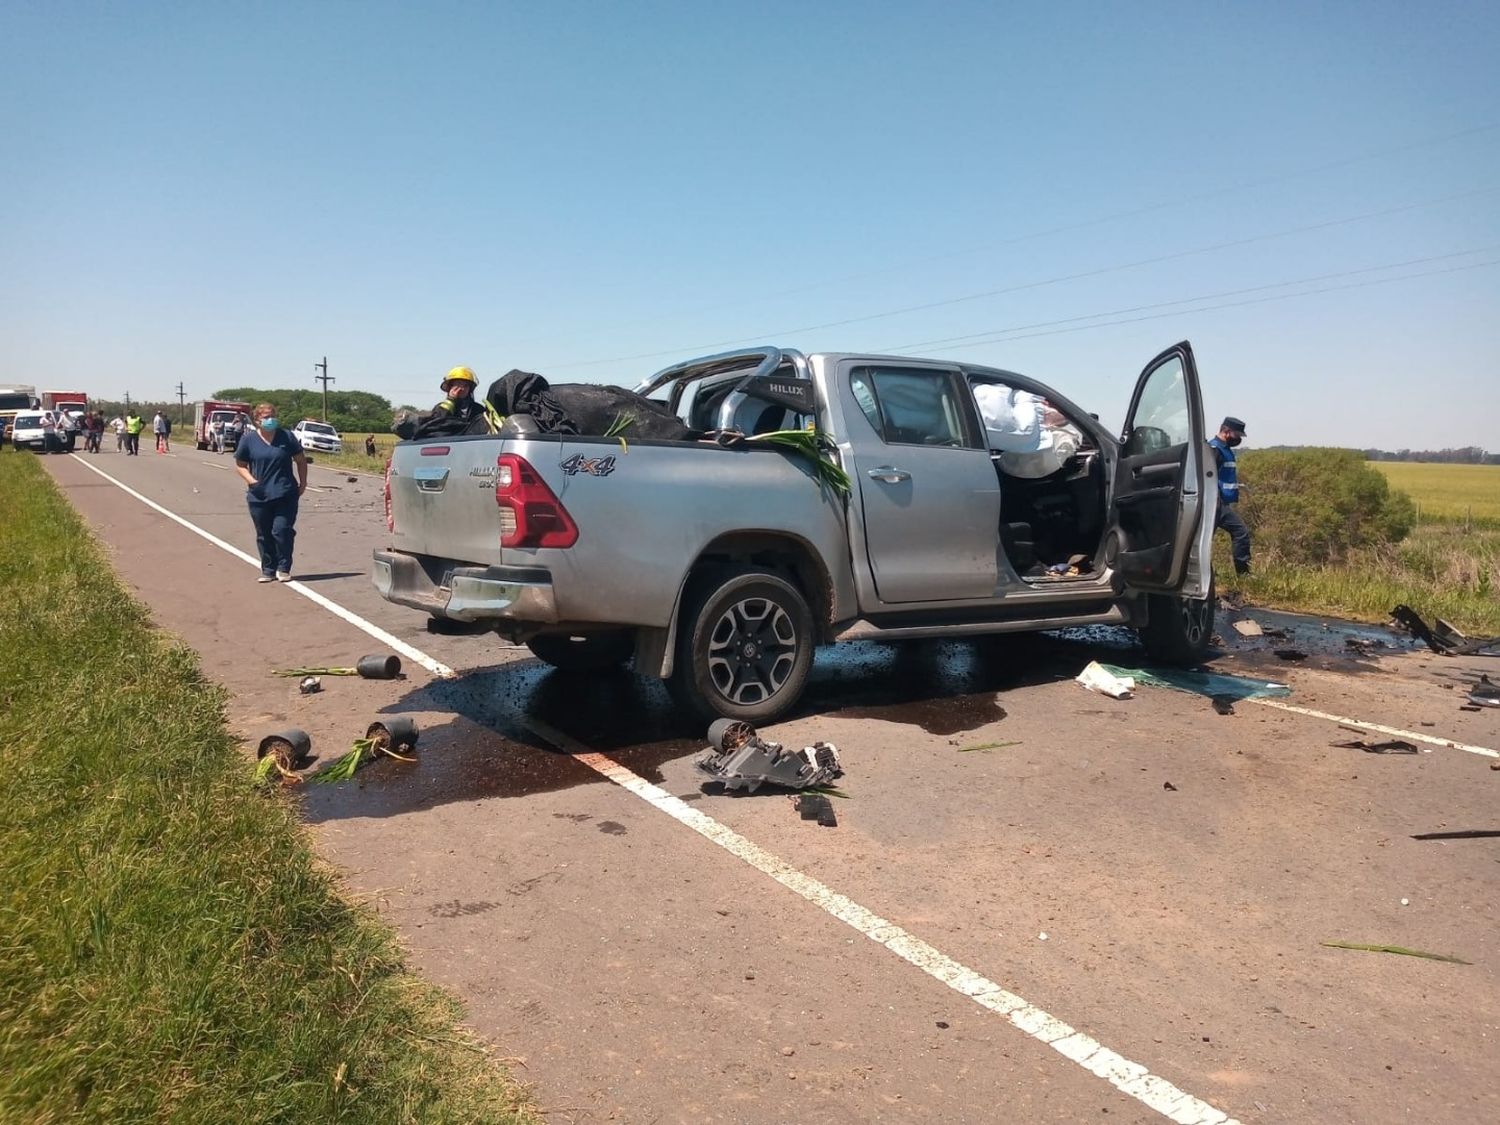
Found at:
<point>169,947</point>
<point>1440,570</point>
<point>354,455</point>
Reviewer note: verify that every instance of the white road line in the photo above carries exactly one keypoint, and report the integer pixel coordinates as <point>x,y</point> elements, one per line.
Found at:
<point>1395,732</point>
<point>435,667</point>
<point>1130,1078</point>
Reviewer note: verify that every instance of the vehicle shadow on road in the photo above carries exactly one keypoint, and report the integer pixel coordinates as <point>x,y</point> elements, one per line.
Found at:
<point>486,748</point>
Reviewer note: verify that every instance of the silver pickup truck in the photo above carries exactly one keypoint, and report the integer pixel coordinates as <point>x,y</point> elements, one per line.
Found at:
<point>981,502</point>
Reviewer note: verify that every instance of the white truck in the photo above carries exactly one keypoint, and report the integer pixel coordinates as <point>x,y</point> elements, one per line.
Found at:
<point>720,565</point>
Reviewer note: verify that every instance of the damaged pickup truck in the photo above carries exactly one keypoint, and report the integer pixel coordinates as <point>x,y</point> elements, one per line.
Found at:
<point>980,502</point>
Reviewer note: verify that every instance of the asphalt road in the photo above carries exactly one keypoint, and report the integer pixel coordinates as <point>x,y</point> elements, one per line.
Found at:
<point>1138,888</point>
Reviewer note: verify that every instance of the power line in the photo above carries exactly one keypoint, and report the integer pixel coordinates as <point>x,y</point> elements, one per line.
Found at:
<point>989,335</point>
<point>1100,271</point>
<point>1082,224</point>
<point>1230,304</point>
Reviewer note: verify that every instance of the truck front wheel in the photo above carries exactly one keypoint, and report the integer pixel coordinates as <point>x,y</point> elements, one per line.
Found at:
<point>591,653</point>
<point>744,647</point>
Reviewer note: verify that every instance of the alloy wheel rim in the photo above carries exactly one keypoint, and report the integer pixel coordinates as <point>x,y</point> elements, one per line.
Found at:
<point>1195,614</point>
<point>752,650</point>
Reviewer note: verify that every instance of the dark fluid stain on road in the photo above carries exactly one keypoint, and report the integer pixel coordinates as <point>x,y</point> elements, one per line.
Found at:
<point>943,687</point>
<point>612,828</point>
<point>1341,646</point>
<point>935,716</point>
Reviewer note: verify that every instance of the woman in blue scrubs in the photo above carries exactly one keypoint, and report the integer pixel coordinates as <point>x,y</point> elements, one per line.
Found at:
<point>265,458</point>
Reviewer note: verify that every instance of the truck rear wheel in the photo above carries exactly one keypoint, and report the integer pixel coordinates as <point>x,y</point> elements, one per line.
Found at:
<point>1179,630</point>
<point>744,647</point>
<point>592,652</point>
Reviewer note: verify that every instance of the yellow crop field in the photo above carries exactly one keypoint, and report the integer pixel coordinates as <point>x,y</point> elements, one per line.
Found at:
<point>1448,492</point>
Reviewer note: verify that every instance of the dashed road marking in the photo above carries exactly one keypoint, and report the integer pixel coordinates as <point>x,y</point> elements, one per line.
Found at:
<point>437,668</point>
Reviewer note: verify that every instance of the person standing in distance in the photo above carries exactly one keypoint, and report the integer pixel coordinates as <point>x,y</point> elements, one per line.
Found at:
<point>266,457</point>
<point>134,424</point>
<point>1231,433</point>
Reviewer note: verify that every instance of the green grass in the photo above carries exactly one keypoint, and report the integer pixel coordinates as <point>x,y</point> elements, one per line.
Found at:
<point>354,455</point>
<point>170,950</point>
<point>1439,569</point>
<point>1448,492</point>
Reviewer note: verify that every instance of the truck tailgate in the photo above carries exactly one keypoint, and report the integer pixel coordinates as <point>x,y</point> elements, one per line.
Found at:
<point>443,497</point>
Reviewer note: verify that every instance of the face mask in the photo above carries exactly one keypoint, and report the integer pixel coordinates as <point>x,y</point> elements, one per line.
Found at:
<point>1233,441</point>
<point>270,424</point>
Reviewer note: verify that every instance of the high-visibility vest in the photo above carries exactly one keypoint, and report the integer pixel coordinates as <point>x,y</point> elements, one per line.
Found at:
<point>134,424</point>
<point>1229,480</point>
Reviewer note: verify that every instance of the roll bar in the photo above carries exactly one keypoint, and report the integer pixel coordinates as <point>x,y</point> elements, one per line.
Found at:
<point>766,360</point>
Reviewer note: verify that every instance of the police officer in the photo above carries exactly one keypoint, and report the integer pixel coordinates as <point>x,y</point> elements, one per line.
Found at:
<point>461,405</point>
<point>1231,433</point>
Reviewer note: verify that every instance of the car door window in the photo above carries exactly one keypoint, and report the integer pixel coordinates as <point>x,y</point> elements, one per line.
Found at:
<point>913,406</point>
<point>1161,418</point>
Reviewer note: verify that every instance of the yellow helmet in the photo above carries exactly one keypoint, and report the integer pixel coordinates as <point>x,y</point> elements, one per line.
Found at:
<point>459,375</point>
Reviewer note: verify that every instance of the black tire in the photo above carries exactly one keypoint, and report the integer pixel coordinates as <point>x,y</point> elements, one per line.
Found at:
<point>1179,631</point>
<point>744,647</point>
<point>591,653</point>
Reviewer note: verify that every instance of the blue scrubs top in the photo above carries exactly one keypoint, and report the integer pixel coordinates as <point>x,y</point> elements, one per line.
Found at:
<point>269,462</point>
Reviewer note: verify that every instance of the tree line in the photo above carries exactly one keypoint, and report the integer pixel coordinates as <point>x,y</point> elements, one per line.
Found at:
<point>1468,455</point>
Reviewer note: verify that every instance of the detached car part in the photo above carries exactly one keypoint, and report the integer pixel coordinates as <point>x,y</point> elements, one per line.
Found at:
<point>741,759</point>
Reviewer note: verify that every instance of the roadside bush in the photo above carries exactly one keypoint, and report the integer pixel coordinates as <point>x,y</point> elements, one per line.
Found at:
<point>1314,506</point>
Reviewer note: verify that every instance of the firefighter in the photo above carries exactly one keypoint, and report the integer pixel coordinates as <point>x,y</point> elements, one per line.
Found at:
<point>461,405</point>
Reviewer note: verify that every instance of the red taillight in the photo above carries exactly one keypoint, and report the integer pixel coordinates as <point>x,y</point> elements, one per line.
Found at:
<point>531,515</point>
<point>390,513</point>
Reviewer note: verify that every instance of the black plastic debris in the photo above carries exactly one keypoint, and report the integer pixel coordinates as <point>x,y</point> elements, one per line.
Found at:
<point>1390,746</point>
<point>815,806</point>
<point>1462,834</point>
<point>1169,787</point>
<point>1484,693</point>
<point>1223,704</point>
<point>1442,637</point>
<point>1291,654</point>
<point>310,685</point>
<point>741,759</point>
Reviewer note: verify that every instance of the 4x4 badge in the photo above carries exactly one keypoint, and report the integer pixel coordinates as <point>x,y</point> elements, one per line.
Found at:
<point>593,466</point>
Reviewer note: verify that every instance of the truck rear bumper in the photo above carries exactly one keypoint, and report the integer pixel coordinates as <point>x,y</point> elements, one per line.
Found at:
<point>465,593</point>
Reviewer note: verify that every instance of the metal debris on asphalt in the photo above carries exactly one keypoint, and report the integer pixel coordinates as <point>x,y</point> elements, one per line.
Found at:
<point>815,806</point>
<point>1390,746</point>
<point>1485,693</point>
<point>310,685</point>
<point>741,759</point>
<point>1223,704</point>
<point>1247,628</point>
<point>1442,637</point>
<point>1291,654</point>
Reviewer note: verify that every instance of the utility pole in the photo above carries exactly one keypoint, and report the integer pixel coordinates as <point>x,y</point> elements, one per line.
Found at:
<point>127,400</point>
<point>181,405</point>
<point>325,379</point>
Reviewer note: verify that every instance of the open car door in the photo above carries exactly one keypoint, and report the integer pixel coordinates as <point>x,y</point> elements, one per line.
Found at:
<point>1160,495</point>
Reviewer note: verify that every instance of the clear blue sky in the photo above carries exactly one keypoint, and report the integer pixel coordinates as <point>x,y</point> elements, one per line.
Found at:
<point>222,194</point>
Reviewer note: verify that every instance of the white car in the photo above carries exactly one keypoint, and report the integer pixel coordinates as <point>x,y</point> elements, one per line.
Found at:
<point>35,429</point>
<point>319,437</point>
